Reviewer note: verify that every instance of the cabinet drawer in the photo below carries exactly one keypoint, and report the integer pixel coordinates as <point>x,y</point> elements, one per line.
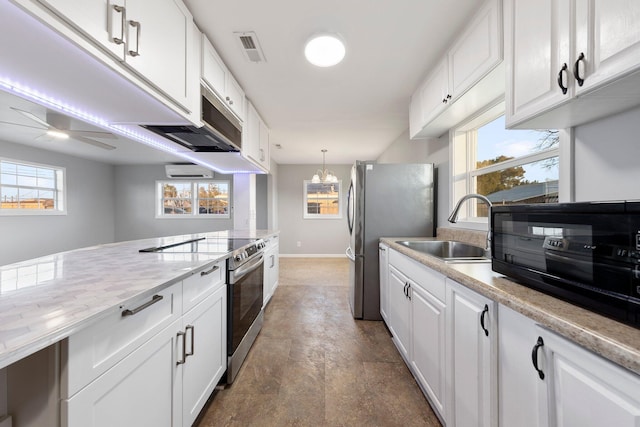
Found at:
<point>201,284</point>
<point>93,350</point>
<point>430,280</point>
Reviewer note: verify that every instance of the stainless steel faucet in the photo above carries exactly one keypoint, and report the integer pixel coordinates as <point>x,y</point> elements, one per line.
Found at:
<point>453,218</point>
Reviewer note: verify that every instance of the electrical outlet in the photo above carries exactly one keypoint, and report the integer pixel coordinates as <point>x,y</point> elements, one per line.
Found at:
<point>299,244</point>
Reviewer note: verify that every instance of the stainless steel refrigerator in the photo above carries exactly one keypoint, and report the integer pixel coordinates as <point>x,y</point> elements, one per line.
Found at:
<point>384,200</point>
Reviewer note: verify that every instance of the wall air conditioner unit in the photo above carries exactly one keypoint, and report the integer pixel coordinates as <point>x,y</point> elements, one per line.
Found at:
<point>188,171</point>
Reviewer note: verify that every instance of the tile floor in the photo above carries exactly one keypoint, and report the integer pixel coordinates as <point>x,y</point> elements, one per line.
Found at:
<point>314,365</point>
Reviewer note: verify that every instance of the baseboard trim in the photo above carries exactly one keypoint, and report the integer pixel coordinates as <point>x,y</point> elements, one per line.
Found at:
<point>313,256</point>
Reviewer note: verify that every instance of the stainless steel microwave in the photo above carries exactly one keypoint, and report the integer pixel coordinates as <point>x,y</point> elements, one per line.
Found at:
<point>585,253</point>
<point>221,131</point>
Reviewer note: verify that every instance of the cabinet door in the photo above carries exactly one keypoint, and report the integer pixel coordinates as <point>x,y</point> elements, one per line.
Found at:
<point>101,20</point>
<point>251,134</point>
<point>234,96</point>
<point>473,357</point>
<point>214,72</point>
<point>206,332</point>
<point>263,150</point>
<point>383,251</point>
<point>519,399</point>
<point>144,389</point>
<point>399,311</point>
<point>157,39</point>
<point>434,93</point>
<point>537,45</point>
<point>477,51</point>
<point>428,345</point>
<point>607,32</point>
<point>584,389</point>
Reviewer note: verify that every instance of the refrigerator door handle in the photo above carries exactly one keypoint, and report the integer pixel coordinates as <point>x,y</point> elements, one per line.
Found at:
<point>350,213</point>
<point>349,254</point>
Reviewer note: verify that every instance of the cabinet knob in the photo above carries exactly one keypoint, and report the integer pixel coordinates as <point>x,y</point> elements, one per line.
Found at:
<point>561,75</point>
<point>576,69</point>
<point>534,357</point>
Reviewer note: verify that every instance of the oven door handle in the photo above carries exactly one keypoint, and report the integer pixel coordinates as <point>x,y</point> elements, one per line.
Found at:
<point>247,268</point>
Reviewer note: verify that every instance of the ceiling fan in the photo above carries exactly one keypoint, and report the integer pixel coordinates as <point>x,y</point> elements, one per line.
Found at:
<point>58,125</point>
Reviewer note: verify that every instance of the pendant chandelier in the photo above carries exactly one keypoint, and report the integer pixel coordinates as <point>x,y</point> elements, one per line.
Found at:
<point>324,175</point>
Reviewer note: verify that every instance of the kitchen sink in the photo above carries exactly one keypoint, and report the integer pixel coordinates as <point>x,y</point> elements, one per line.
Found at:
<point>449,251</point>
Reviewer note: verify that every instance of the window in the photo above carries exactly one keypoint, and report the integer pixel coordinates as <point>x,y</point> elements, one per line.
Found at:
<point>188,199</point>
<point>322,200</point>
<point>31,189</point>
<point>507,166</point>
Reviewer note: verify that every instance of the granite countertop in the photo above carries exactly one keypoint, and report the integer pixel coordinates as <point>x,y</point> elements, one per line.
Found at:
<point>49,298</point>
<point>613,340</point>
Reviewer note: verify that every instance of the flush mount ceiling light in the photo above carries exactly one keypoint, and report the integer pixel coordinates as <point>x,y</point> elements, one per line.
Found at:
<point>323,175</point>
<point>324,50</point>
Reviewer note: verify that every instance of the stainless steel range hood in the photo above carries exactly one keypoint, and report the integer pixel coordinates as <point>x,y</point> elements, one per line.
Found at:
<point>221,130</point>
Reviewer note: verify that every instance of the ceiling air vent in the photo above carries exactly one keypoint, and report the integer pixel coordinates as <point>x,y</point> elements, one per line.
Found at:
<point>250,46</point>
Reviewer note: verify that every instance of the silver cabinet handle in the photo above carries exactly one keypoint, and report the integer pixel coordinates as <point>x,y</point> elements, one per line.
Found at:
<point>123,19</point>
<point>137,25</point>
<point>184,347</point>
<point>155,299</point>
<point>273,261</point>
<point>206,273</point>
<point>193,339</point>
<point>261,155</point>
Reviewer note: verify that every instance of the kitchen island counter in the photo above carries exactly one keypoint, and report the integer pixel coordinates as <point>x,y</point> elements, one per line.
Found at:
<point>610,339</point>
<point>45,300</point>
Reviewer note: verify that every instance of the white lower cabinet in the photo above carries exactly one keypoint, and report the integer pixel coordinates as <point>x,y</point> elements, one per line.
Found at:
<point>546,380</point>
<point>125,371</point>
<point>383,258</point>
<point>271,268</point>
<point>399,311</point>
<point>416,313</point>
<point>141,390</point>
<point>472,356</point>
<point>428,344</point>
<point>206,356</point>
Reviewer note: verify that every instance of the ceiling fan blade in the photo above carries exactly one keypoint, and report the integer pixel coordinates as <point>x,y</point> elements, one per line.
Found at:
<point>90,134</point>
<point>33,117</point>
<point>94,143</point>
<point>20,124</point>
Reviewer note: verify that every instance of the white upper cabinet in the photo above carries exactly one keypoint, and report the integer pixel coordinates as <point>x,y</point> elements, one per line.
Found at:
<point>536,54</point>
<point>570,62</point>
<point>218,77</point>
<point>608,35</point>
<point>255,139</point>
<point>153,38</point>
<point>465,80</point>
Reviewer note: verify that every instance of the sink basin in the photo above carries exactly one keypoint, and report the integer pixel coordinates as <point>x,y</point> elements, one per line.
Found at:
<point>448,250</point>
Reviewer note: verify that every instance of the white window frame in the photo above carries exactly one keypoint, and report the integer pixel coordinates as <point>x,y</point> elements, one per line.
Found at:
<point>306,215</point>
<point>59,190</point>
<point>462,155</point>
<point>195,212</point>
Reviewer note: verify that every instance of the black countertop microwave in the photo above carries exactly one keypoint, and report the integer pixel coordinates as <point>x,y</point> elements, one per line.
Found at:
<point>585,253</point>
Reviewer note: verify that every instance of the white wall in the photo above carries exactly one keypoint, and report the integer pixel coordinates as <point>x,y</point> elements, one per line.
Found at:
<point>135,206</point>
<point>317,236</point>
<point>90,215</point>
<point>607,158</point>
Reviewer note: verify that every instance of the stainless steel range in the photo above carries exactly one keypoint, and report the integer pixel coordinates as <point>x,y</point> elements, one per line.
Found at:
<point>245,274</point>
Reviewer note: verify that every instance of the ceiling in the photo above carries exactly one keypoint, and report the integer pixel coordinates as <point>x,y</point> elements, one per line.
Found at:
<point>356,109</point>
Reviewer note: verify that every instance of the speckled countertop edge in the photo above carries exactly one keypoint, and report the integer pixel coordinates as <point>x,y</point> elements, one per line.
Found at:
<point>610,339</point>
<point>46,299</point>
